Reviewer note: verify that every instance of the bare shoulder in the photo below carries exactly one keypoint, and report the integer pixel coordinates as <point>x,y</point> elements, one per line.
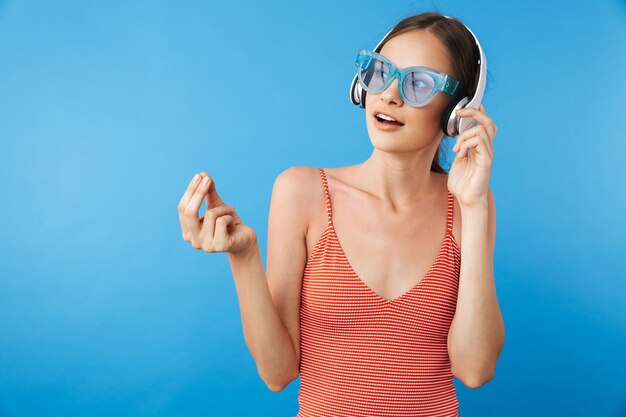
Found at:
<point>295,178</point>
<point>297,183</point>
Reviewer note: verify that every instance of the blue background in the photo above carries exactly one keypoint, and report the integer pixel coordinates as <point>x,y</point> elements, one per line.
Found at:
<point>109,108</point>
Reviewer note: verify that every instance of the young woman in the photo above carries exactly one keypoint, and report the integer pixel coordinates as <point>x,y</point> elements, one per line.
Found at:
<point>365,297</point>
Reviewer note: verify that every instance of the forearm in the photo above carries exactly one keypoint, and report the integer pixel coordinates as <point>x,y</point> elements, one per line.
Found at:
<point>267,338</point>
<point>477,331</point>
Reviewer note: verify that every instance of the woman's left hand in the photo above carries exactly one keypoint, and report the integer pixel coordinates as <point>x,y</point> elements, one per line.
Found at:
<point>468,179</point>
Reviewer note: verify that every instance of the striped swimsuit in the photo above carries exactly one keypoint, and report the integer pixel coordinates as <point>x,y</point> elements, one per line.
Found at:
<point>364,355</point>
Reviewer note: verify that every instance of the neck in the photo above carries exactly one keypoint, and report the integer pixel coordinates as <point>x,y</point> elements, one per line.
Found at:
<point>400,179</point>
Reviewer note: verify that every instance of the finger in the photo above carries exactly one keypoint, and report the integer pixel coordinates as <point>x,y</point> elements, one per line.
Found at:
<point>467,144</point>
<point>492,129</point>
<point>471,132</point>
<point>480,117</point>
<point>479,143</point>
<point>191,210</point>
<point>220,235</point>
<point>191,188</point>
<point>182,204</point>
<point>210,217</point>
<point>214,198</point>
<point>202,175</point>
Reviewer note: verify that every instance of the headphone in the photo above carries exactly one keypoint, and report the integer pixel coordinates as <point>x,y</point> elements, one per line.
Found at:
<point>451,124</point>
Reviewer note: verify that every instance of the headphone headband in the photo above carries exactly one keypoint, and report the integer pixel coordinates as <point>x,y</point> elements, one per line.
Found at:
<point>450,123</point>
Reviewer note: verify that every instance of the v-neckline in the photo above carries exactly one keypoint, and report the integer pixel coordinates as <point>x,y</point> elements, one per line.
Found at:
<point>418,284</point>
<point>406,293</point>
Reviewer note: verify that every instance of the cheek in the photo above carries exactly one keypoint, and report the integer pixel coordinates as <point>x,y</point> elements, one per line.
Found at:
<point>423,119</point>
<point>368,99</point>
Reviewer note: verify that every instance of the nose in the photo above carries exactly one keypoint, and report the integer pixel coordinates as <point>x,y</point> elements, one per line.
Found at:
<point>391,94</point>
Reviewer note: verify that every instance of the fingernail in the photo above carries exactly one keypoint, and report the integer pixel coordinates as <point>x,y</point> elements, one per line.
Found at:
<point>205,181</point>
<point>195,178</point>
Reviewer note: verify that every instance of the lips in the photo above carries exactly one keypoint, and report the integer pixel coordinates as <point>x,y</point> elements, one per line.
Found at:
<point>376,113</point>
<point>386,126</point>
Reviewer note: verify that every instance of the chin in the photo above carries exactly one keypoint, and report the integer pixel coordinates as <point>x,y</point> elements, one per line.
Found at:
<point>390,142</point>
<point>396,141</point>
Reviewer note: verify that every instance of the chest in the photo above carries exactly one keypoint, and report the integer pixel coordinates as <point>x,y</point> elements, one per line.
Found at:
<point>388,254</point>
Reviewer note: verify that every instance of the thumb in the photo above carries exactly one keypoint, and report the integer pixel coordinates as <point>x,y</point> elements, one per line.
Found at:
<point>213,198</point>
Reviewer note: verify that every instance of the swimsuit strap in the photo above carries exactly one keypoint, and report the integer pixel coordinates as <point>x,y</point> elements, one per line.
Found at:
<point>327,195</point>
<point>450,212</point>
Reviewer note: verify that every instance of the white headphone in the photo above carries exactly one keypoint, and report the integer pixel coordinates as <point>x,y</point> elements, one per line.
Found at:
<point>451,125</point>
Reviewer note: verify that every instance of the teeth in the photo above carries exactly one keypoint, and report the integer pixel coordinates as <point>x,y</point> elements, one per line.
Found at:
<point>382,116</point>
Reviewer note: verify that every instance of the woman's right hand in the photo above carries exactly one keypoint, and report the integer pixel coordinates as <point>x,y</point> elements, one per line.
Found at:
<point>220,229</point>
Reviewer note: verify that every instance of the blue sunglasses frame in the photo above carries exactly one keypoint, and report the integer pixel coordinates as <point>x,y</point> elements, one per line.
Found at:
<point>442,81</point>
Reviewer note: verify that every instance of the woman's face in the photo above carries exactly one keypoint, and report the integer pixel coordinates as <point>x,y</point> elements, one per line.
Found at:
<point>421,124</point>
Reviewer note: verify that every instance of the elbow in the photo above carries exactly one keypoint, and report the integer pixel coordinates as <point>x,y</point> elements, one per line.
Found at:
<point>277,378</point>
<point>278,386</point>
<point>476,375</point>
<point>476,380</point>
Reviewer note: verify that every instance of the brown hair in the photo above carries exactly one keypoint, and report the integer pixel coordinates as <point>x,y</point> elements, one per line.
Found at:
<point>462,48</point>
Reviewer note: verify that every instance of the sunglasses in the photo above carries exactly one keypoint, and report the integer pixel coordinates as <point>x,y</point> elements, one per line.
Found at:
<point>417,85</point>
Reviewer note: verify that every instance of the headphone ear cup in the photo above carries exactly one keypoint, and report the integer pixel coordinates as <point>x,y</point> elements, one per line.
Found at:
<point>360,94</point>
<point>449,117</point>
<point>445,119</point>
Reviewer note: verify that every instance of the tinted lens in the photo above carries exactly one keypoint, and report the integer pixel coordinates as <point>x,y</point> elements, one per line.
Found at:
<point>373,73</point>
<point>418,86</point>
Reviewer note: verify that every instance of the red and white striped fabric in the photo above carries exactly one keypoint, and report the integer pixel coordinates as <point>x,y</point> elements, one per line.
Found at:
<point>364,355</point>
